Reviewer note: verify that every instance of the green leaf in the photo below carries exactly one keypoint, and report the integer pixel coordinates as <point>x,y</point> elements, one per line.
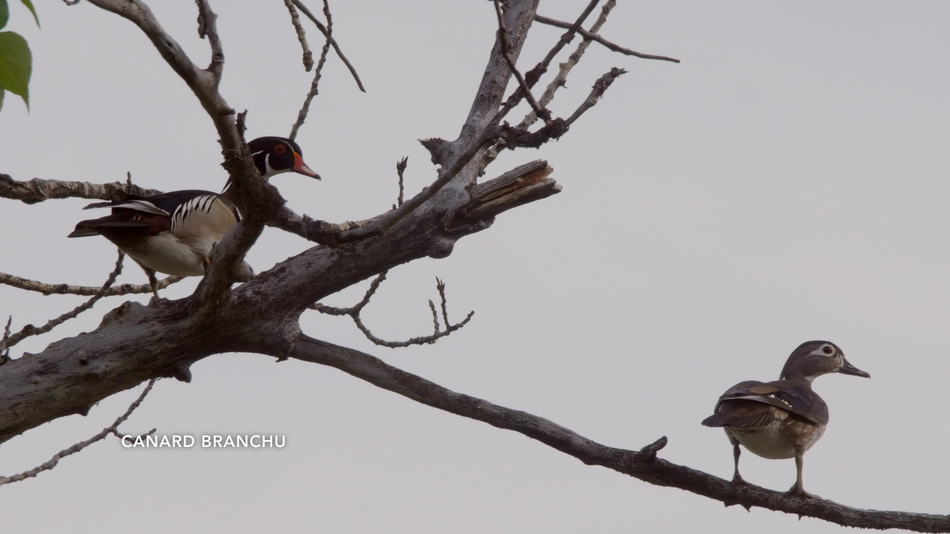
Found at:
<point>2,90</point>
<point>4,13</point>
<point>15,65</point>
<point>29,5</point>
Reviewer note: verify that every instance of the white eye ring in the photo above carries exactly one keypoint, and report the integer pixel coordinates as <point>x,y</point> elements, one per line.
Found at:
<point>827,350</point>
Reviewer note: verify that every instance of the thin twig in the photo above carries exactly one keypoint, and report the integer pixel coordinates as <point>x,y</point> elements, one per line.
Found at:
<point>208,28</point>
<point>446,174</point>
<point>435,317</point>
<point>560,80</point>
<point>440,286</point>
<point>535,73</point>
<point>314,85</point>
<point>400,169</point>
<point>609,45</point>
<point>5,353</point>
<point>301,35</point>
<point>358,307</point>
<point>354,313</point>
<point>566,38</point>
<point>30,330</point>
<point>336,47</point>
<point>84,291</point>
<point>539,110</point>
<point>596,93</point>
<point>111,429</point>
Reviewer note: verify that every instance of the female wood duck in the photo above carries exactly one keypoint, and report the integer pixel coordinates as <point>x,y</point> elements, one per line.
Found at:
<point>173,232</point>
<point>784,418</point>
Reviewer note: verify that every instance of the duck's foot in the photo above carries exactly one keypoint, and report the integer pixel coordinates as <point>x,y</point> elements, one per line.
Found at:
<point>799,491</point>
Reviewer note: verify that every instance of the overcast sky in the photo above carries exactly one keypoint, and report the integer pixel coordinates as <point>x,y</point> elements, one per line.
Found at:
<point>788,181</point>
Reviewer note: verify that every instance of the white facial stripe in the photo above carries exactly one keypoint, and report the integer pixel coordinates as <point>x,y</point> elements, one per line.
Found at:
<point>821,351</point>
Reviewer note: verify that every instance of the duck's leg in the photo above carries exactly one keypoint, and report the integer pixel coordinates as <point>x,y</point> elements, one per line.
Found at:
<point>736,477</point>
<point>799,487</point>
<point>152,281</point>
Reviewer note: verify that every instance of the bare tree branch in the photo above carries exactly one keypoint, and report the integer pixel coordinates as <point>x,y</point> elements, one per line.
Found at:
<point>354,313</point>
<point>642,464</point>
<point>30,330</point>
<point>535,74</point>
<point>539,110</point>
<point>358,307</point>
<point>400,169</point>
<point>478,129</point>
<point>596,93</point>
<point>305,108</point>
<point>560,80</point>
<point>202,82</point>
<point>301,35</point>
<point>5,353</point>
<point>261,199</point>
<point>336,47</point>
<point>321,232</point>
<point>68,289</point>
<point>522,184</point>
<point>38,190</point>
<point>131,343</point>
<point>610,46</point>
<point>111,429</point>
<point>207,27</point>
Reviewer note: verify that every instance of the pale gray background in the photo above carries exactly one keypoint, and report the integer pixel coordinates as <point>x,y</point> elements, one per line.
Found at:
<point>788,181</point>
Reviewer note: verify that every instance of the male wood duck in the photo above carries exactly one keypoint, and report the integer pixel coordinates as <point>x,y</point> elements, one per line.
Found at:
<point>784,418</point>
<point>173,232</point>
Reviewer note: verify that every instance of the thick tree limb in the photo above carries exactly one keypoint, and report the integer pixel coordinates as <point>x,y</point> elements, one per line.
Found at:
<point>132,344</point>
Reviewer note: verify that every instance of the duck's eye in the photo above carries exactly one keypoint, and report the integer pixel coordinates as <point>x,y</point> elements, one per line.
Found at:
<point>280,149</point>
<point>828,350</point>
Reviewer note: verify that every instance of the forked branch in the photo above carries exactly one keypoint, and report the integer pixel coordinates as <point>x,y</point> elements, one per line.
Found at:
<point>438,331</point>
